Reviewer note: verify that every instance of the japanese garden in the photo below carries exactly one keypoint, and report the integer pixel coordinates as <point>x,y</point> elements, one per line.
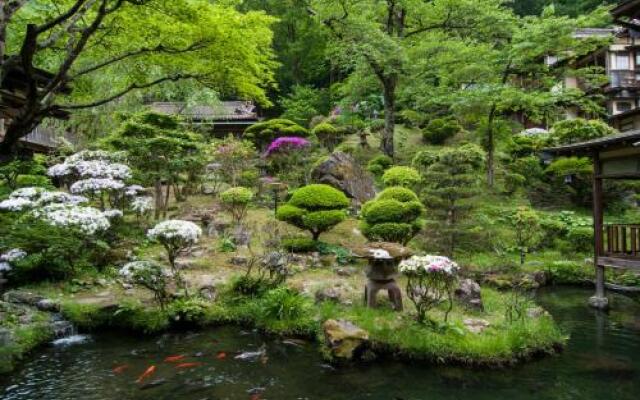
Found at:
<point>319,199</point>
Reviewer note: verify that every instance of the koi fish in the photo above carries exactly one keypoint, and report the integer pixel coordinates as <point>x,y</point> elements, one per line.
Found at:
<point>255,396</point>
<point>120,368</point>
<point>189,365</point>
<point>150,371</point>
<point>252,355</point>
<point>221,355</point>
<point>171,359</point>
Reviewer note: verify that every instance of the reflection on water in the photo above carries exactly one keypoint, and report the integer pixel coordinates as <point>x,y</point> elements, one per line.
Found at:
<point>601,361</point>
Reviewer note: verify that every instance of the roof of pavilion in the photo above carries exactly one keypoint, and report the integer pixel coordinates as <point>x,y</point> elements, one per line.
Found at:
<point>628,138</point>
<point>223,111</point>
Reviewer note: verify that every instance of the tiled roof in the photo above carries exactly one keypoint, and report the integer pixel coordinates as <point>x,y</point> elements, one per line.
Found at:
<point>223,111</point>
<point>599,143</point>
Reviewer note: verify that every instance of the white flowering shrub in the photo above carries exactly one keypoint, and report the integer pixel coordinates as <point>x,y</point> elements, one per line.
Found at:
<point>88,220</point>
<point>149,275</point>
<point>95,173</point>
<point>31,198</point>
<point>142,205</point>
<point>10,257</point>
<point>430,280</point>
<point>16,204</point>
<point>175,236</point>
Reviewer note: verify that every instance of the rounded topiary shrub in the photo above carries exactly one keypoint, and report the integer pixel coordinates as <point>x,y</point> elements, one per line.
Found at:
<point>379,164</point>
<point>236,200</point>
<point>440,130</point>
<point>328,135</point>
<point>265,132</point>
<point>393,216</point>
<point>401,176</point>
<point>299,244</point>
<point>315,208</point>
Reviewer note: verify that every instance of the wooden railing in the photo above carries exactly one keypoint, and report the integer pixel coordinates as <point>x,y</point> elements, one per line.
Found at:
<point>621,240</point>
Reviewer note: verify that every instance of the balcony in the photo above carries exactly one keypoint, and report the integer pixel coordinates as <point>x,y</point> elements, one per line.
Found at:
<point>621,79</point>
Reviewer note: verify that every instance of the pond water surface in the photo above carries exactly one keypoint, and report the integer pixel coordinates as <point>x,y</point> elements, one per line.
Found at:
<point>602,361</point>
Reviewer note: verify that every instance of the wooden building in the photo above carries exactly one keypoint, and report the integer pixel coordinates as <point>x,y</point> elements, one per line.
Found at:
<point>219,120</point>
<point>13,98</point>
<point>615,245</point>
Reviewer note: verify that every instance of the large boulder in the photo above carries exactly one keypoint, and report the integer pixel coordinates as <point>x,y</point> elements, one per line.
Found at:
<point>341,171</point>
<point>344,339</point>
<point>468,293</point>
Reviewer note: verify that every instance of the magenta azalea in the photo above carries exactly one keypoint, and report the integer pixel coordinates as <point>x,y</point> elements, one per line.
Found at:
<point>286,143</point>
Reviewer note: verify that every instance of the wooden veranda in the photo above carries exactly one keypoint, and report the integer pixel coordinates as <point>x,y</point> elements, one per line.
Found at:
<point>614,157</point>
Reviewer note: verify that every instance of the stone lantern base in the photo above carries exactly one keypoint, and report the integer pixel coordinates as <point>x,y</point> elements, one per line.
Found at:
<point>391,286</point>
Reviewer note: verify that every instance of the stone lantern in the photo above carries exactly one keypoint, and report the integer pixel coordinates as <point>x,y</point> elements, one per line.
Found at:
<point>382,269</point>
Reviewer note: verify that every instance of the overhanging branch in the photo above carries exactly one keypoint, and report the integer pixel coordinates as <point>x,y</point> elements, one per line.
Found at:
<point>130,88</point>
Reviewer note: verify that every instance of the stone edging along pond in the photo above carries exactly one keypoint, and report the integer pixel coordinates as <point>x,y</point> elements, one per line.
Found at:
<point>344,334</point>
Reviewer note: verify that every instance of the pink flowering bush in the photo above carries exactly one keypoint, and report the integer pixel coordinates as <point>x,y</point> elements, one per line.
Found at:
<point>430,280</point>
<point>286,144</point>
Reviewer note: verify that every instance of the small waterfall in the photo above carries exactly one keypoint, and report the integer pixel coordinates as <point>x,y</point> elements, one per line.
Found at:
<point>66,334</point>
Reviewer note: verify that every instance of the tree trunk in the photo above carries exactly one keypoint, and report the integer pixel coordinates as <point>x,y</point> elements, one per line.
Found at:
<point>389,86</point>
<point>490,148</point>
<point>159,198</point>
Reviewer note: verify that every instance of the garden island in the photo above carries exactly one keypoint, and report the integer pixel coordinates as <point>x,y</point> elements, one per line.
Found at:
<point>332,199</point>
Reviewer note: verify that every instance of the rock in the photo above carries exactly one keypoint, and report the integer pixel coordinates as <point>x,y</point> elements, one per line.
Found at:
<point>184,263</point>
<point>22,297</point>
<point>541,278</point>
<point>239,261</point>
<point>102,282</point>
<point>346,271</point>
<point>48,305</point>
<point>537,312</point>
<point>599,303</point>
<point>275,260</point>
<point>468,293</point>
<point>328,294</point>
<point>476,325</point>
<point>341,171</point>
<point>344,339</point>
<point>127,286</point>
<point>208,292</point>
<point>6,337</point>
<point>241,236</point>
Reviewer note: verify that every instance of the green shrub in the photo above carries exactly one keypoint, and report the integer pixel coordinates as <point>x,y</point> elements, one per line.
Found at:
<point>249,178</point>
<point>376,125</point>
<point>299,244</point>
<point>249,285</point>
<point>284,303</point>
<point>393,216</point>
<point>440,130</point>
<point>236,200</point>
<point>315,208</point>
<point>581,238</point>
<point>379,164</point>
<point>412,118</point>
<point>578,130</point>
<point>328,135</point>
<point>401,176</point>
<point>265,132</point>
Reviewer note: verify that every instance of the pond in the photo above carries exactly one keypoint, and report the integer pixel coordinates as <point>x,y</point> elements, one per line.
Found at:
<point>602,360</point>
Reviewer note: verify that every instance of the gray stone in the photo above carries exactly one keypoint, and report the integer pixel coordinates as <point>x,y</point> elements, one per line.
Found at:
<point>346,271</point>
<point>600,303</point>
<point>22,297</point>
<point>468,293</point>
<point>48,305</point>
<point>344,339</point>
<point>208,292</point>
<point>476,325</point>
<point>6,337</point>
<point>239,261</point>
<point>184,263</point>
<point>275,260</point>
<point>341,171</point>
<point>328,294</point>
<point>536,312</point>
<point>241,236</point>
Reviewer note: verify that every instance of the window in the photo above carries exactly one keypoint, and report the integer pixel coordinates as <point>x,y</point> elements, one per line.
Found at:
<point>622,106</point>
<point>621,61</point>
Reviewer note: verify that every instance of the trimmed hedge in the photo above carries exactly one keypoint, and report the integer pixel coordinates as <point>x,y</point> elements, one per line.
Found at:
<point>319,197</point>
<point>440,130</point>
<point>379,164</point>
<point>265,132</point>
<point>315,208</point>
<point>299,244</point>
<point>237,195</point>
<point>394,216</point>
<point>401,176</point>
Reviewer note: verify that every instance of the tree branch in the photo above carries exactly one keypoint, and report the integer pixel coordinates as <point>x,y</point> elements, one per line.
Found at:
<point>158,49</point>
<point>73,19</point>
<point>61,18</point>
<point>130,88</point>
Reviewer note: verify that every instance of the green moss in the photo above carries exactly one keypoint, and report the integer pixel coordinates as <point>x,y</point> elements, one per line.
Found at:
<point>25,339</point>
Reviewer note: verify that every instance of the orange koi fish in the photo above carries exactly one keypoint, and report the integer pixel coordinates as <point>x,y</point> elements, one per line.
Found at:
<point>221,355</point>
<point>120,368</point>
<point>255,396</point>
<point>150,371</point>
<point>189,365</point>
<point>171,359</point>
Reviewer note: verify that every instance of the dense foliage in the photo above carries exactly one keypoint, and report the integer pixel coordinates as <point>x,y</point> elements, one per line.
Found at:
<point>394,216</point>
